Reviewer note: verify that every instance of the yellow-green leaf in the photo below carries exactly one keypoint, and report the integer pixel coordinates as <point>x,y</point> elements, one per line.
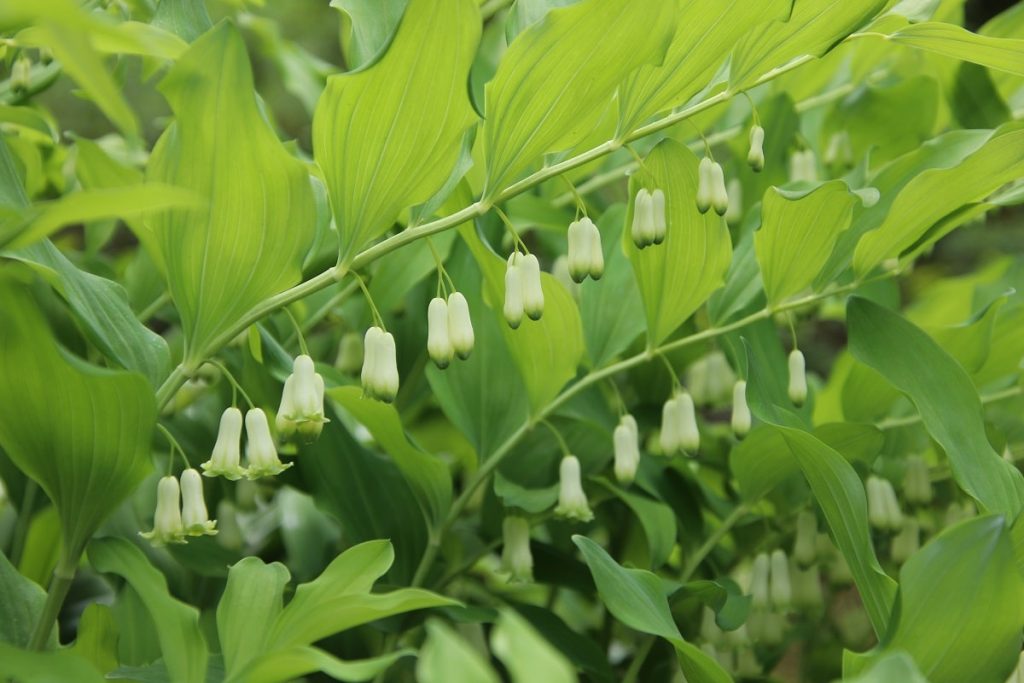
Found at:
<point>1001,54</point>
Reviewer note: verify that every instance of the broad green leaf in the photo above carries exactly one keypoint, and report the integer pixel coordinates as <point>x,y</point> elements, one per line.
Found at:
<point>934,194</point>
<point>961,605</point>
<point>1001,54</point>
<point>101,306</point>
<point>399,271</point>
<point>373,25</point>
<point>186,19</point>
<point>398,151</point>
<point>638,599</point>
<point>548,350</point>
<point>679,275</point>
<point>96,640</point>
<point>248,241</point>
<point>798,233</point>
<point>80,431</point>
<point>177,624</point>
<point>427,475</point>
<point>945,397</point>
<point>896,667</point>
<point>558,77</point>
<point>294,662</point>
<point>705,35</point>
<point>21,603</point>
<point>657,520</point>
<point>447,658</point>
<point>526,655</point>
<point>976,102</point>
<point>581,650</point>
<point>46,667</point>
<point>528,499</point>
<point>251,603</point>
<point>525,13</point>
<point>813,28</point>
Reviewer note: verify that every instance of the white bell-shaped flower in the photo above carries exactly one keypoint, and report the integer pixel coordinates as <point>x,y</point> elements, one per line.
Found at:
<point>755,157</point>
<point>579,250</point>
<point>439,345</point>
<point>797,377</point>
<point>302,402</point>
<point>371,350</point>
<point>893,514</point>
<point>516,558</point>
<point>643,228</point>
<point>167,526</point>
<point>626,442</point>
<point>741,418</point>
<point>260,450</point>
<point>225,460</point>
<point>719,193</point>
<point>760,597</point>
<point>805,545</point>
<point>284,422</point>
<point>779,589</point>
<point>460,325</point>
<point>670,439</point>
<point>513,308</point>
<point>705,182</point>
<point>803,166</point>
<point>533,292</point>
<point>734,214</point>
<point>917,482</point>
<point>659,219</point>
<point>350,353</point>
<point>877,513</point>
<point>194,516</point>
<point>689,435</point>
<point>380,365</point>
<point>906,542</point>
<point>572,501</point>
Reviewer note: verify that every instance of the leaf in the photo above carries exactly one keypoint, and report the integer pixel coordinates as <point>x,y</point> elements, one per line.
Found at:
<point>81,432</point>
<point>558,77</point>
<point>944,396</point>
<point>976,102</point>
<point>46,667</point>
<point>251,603</point>
<point>248,241</point>
<point>797,235</point>
<point>187,19</point>
<point>525,13</point>
<point>446,658</point>
<point>896,667</point>
<point>427,475</point>
<point>526,655</point>
<point>934,194</point>
<point>813,28</point>
<point>101,306</point>
<point>961,605</point>
<point>638,599</point>
<point>1001,54</point>
<point>294,662</point>
<point>21,603</point>
<point>96,640</point>
<point>388,136</point>
<point>581,650</point>
<point>373,25</point>
<point>706,34</point>
<point>177,624</point>
<point>657,520</point>
<point>679,275</point>
<point>529,500</point>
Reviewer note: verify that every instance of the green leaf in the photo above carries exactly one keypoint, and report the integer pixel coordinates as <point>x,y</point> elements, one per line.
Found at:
<point>81,432</point>
<point>558,77</point>
<point>896,667</point>
<point>187,19</point>
<point>961,605</point>
<point>96,640</point>
<point>400,150</point>
<point>527,499</point>
<point>581,650</point>
<point>526,655</point>
<point>798,233</point>
<point>945,397</point>
<point>679,275</point>
<point>1001,54</point>
<point>525,13</point>
<point>446,658</point>
<point>251,603</point>
<point>657,520</point>
<point>373,25</point>
<point>248,241</point>
<point>705,35</point>
<point>21,603</point>
<point>177,624</point>
<point>47,667</point>
<point>427,475</point>
<point>935,194</point>
<point>976,102</point>
<point>294,662</point>
<point>638,599</point>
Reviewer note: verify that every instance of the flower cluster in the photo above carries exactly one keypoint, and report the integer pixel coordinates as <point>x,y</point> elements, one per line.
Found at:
<point>649,222</point>
<point>180,511</point>
<point>380,365</point>
<point>711,191</point>
<point>449,329</point>
<point>302,402</point>
<point>585,254</point>
<point>679,433</point>
<point>883,508</point>
<point>523,291</point>
<point>260,450</point>
<point>626,442</point>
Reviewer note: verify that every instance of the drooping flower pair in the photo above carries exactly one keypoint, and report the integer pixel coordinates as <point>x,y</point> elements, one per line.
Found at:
<point>180,511</point>
<point>380,365</point>
<point>302,402</point>
<point>523,290</point>
<point>650,224</point>
<point>883,508</point>
<point>586,257</point>
<point>260,449</point>
<point>679,431</point>
<point>626,442</point>
<point>449,329</point>
<point>711,191</point>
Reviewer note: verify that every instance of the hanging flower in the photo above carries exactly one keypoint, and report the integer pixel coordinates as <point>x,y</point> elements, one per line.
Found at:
<point>227,451</point>
<point>513,309</point>
<point>585,254</point>
<point>193,509</point>
<point>883,507</point>
<point>719,193</point>
<point>741,418</point>
<point>659,220</point>
<point>260,450</point>
<point>626,442</point>
<point>797,378</point>
<point>689,435</point>
<point>439,345</point>
<point>760,597</point>
<point>516,558</point>
<point>380,365</point>
<point>917,483</point>
<point>350,353</point>
<point>669,438</point>
<point>643,228</point>
<point>705,182</point>
<point>572,501</point>
<point>755,157</point>
<point>533,292</point>
<point>806,584</point>
<point>805,545</point>
<point>779,590</point>
<point>460,325</point>
<point>302,402</point>
<point>167,526</point>
<point>906,542</point>
<point>803,167</point>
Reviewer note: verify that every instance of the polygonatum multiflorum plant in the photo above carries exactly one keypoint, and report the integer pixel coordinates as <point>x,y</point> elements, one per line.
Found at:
<point>538,340</point>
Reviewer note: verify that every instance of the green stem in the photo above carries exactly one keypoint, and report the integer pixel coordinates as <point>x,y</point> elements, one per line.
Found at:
<point>150,310</point>
<point>633,672</point>
<point>896,422</point>
<point>28,502</point>
<point>63,575</point>
<point>711,541</point>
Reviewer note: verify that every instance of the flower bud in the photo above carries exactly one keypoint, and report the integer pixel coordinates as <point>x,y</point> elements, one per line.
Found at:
<point>167,526</point>
<point>741,418</point>
<point>516,558</point>
<point>734,214</point>
<point>906,542</point>
<point>689,435</point>
<point>626,440</point>
<point>659,220</point>
<point>460,325</point>
<point>302,401</point>
<point>194,516</point>
<point>596,250</point>
<point>283,422</point>
<point>227,451</point>
<point>917,483</point>
<point>21,74</point>
<point>838,152</point>
<point>755,157</point>
<point>380,365</point>
<point>779,590</point>
<point>439,345</point>
<point>572,501</point>
<point>797,378</point>
<point>805,550</point>
<point>579,250</point>
<point>760,598</point>
<point>893,514</point>
<point>803,167</point>
<point>719,195</point>
<point>705,182</point>
<point>806,584</point>
<point>533,292</point>
<point>260,450</point>
<point>669,438</point>
<point>877,516</point>
<point>350,353</point>
<point>513,294</point>
<point>643,230</point>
